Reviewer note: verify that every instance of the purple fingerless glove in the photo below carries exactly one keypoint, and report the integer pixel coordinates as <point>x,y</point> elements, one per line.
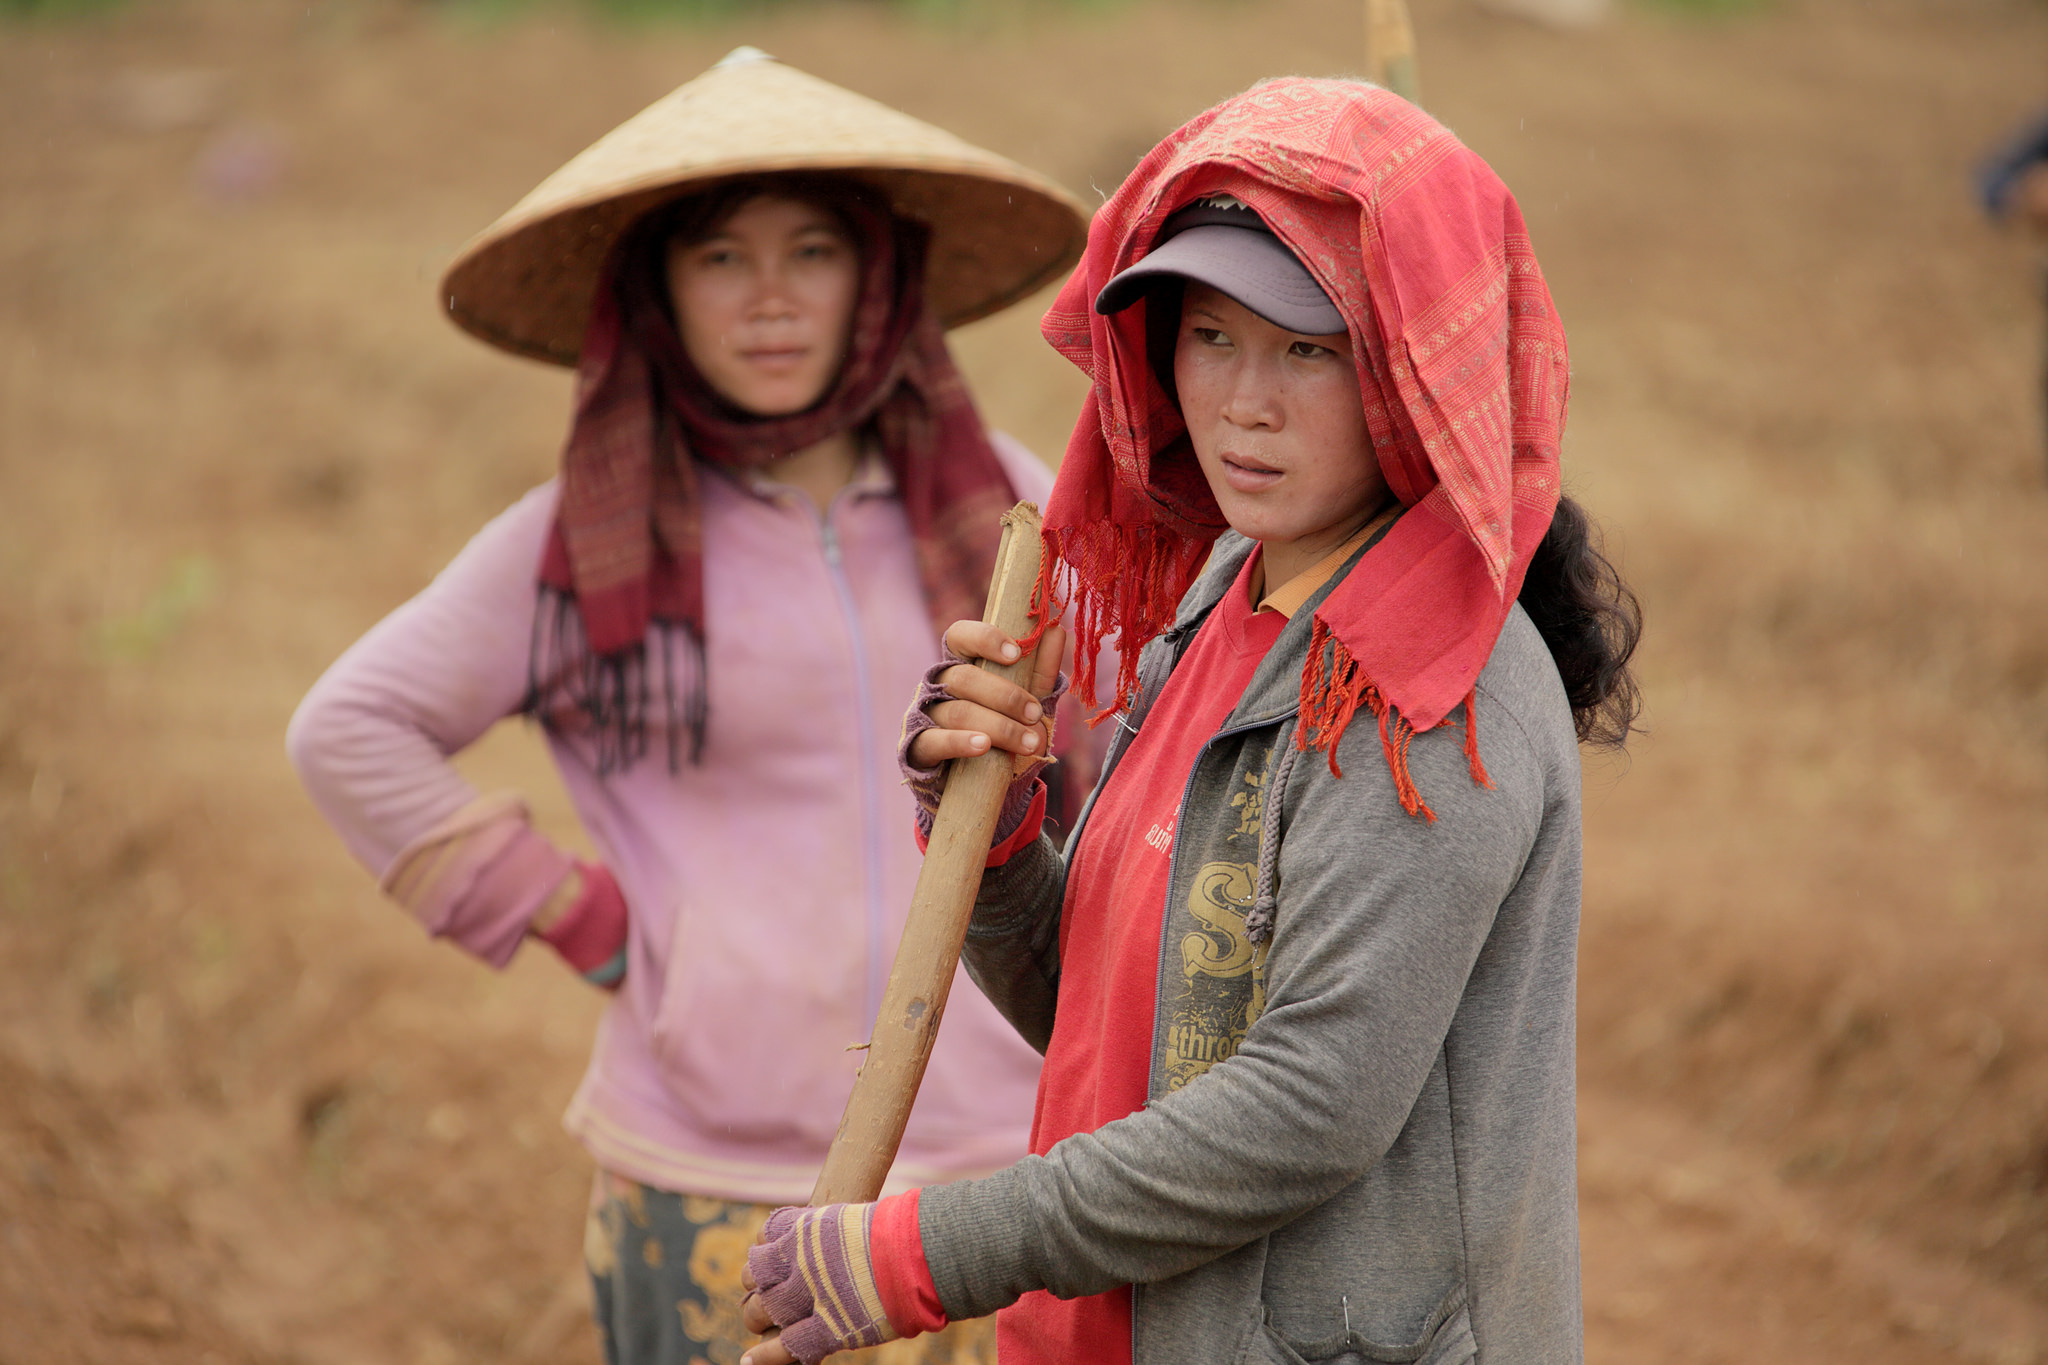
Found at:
<point>812,1272</point>
<point>926,784</point>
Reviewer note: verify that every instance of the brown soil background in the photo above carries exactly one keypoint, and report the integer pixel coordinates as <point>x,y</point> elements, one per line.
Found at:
<point>246,1115</point>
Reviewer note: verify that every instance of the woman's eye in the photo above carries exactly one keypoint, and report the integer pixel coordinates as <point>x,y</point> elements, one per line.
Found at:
<point>718,256</point>
<point>1308,350</point>
<point>817,251</point>
<point>1210,336</point>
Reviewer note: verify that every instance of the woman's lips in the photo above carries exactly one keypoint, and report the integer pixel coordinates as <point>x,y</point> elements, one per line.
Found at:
<point>777,358</point>
<point>1248,475</point>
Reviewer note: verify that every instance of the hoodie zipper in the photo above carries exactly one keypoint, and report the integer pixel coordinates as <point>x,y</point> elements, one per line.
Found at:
<point>870,798</point>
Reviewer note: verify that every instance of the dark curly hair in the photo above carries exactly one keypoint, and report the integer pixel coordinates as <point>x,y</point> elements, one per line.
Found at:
<point>1592,622</point>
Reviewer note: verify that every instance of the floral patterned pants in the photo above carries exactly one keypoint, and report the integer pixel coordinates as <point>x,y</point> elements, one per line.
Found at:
<point>665,1269</point>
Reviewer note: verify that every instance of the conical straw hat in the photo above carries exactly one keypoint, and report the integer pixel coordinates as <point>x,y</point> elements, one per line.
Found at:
<point>999,231</point>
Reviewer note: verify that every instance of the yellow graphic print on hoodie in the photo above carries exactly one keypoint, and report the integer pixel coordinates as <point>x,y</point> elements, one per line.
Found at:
<point>1223,975</point>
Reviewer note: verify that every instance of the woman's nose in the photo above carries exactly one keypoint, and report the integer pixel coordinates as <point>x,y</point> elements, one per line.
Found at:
<point>773,299</point>
<point>1252,404</point>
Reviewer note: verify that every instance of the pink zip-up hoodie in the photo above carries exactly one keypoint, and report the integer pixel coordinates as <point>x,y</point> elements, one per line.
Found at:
<point>766,886</point>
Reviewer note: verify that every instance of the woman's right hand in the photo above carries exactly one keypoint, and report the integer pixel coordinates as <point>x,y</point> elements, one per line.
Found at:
<point>981,709</point>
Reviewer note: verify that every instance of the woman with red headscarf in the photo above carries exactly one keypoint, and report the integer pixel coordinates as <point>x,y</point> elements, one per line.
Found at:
<point>771,458</point>
<point>1304,974</point>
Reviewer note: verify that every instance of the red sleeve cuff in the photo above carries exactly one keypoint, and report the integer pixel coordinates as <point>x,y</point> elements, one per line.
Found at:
<point>1026,833</point>
<point>591,934</point>
<point>896,1254</point>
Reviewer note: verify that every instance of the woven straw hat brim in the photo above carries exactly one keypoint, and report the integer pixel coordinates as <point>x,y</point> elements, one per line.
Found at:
<point>999,231</point>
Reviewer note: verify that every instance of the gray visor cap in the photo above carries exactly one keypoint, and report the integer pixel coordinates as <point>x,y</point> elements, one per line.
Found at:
<point>1247,262</point>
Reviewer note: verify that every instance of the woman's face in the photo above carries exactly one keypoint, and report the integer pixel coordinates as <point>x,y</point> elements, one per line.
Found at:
<point>765,304</point>
<point>1277,425</point>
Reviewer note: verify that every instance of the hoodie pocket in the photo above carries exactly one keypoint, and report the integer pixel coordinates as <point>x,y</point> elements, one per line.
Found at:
<point>1446,1340</point>
<point>752,1031</point>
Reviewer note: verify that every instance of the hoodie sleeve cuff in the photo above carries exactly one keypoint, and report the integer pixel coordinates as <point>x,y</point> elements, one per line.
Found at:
<point>896,1254</point>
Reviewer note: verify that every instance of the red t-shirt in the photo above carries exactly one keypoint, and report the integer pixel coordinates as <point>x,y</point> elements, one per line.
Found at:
<point>1097,1066</point>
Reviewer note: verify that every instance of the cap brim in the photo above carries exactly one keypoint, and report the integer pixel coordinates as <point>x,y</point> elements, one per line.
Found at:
<point>1250,265</point>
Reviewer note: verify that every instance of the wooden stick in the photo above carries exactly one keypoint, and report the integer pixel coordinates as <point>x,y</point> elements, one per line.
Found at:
<point>908,1023</point>
<point>1390,49</point>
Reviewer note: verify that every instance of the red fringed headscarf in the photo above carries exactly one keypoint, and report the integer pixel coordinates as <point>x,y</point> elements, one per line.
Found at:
<point>626,554</point>
<point>1461,363</point>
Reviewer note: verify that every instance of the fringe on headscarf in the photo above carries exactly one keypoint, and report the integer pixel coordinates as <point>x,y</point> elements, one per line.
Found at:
<point>1334,687</point>
<point>612,695</point>
<point>1122,582</point>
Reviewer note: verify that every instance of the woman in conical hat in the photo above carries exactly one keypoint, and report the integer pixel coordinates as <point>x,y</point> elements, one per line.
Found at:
<point>774,491</point>
<point>1304,973</point>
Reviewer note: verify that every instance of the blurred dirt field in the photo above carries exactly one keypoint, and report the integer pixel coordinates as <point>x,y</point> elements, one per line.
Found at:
<point>248,1115</point>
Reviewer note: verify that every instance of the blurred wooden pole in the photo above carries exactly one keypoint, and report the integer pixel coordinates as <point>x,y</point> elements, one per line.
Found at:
<point>1390,49</point>
<point>908,1023</point>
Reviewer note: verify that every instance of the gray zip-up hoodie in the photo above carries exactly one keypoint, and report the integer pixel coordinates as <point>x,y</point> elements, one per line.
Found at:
<point>1358,1141</point>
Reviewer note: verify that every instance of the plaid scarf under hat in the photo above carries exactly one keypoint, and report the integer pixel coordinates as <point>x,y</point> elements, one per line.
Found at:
<point>623,567</point>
